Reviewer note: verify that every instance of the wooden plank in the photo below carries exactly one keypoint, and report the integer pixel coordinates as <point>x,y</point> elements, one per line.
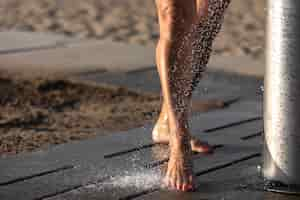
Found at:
<point>230,153</point>
<point>213,84</point>
<point>214,185</point>
<point>15,42</point>
<point>258,195</point>
<point>72,154</point>
<point>98,169</point>
<point>228,183</point>
<point>104,190</point>
<point>231,136</point>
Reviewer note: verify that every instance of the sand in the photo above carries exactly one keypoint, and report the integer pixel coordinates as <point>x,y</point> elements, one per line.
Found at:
<point>39,113</point>
<point>131,21</point>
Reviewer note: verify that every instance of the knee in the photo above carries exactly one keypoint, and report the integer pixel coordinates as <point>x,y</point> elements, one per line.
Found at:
<point>171,21</point>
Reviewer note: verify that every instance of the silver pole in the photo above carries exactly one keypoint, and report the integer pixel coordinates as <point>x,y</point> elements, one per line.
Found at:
<point>281,156</point>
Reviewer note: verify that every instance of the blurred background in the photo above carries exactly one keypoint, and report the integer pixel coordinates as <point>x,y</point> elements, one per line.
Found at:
<point>130,21</point>
<point>38,112</point>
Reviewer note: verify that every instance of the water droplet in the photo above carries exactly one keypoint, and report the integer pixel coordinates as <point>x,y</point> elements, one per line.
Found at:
<point>258,168</point>
<point>137,179</point>
<point>262,88</point>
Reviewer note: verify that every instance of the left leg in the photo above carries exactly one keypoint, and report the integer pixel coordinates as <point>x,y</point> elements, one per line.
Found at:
<point>160,133</point>
<point>177,75</point>
<point>173,54</point>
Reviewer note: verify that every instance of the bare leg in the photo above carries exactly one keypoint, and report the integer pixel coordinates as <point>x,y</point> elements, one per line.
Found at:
<point>160,133</point>
<point>178,76</point>
<point>173,58</point>
<point>179,174</point>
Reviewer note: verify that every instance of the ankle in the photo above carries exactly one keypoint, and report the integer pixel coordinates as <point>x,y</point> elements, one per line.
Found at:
<point>180,143</point>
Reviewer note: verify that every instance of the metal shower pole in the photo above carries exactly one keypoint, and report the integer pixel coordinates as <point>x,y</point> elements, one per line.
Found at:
<point>281,156</point>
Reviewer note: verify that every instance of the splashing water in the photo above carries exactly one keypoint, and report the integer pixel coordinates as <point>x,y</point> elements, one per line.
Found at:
<point>142,180</point>
<point>135,179</point>
<point>262,88</point>
<point>191,55</point>
<point>189,61</point>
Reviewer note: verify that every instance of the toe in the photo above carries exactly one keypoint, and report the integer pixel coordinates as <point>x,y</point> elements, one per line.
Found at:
<point>178,186</point>
<point>179,183</point>
<point>191,179</point>
<point>185,183</point>
<point>173,182</point>
<point>167,182</point>
<point>185,187</point>
<point>190,185</point>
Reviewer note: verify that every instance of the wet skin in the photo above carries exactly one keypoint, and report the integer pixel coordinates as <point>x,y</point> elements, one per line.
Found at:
<point>178,69</point>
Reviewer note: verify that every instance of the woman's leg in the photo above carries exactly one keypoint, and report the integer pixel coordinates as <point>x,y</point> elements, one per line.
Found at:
<point>178,77</point>
<point>160,133</point>
<point>173,59</point>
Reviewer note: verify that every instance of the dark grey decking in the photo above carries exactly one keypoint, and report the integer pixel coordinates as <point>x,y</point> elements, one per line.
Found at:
<point>84,170</point>
<point>59,172</point>
<point>127,165</point>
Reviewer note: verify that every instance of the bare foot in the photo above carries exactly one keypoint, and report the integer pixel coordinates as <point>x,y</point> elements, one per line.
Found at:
<point>179,174</point>
<point>160,134</point>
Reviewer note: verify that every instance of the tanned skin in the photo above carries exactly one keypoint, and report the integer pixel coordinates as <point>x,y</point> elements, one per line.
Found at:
<point>175,19</point>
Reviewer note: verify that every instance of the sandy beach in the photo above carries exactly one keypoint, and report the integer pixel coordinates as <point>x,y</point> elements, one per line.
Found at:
<point>131,21</point>
<point>39,113</point>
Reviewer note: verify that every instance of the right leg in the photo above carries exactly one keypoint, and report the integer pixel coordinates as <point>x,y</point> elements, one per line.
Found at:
<point>160,133</point>
<point>172,53</point>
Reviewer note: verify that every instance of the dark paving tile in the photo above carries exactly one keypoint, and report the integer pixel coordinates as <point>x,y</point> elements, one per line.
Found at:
<point>65,169</point>
<point>230,182</point>
<point>90,164</point>
<point>72,153</point>
<point>212,85</point>
<point>127,184</point>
